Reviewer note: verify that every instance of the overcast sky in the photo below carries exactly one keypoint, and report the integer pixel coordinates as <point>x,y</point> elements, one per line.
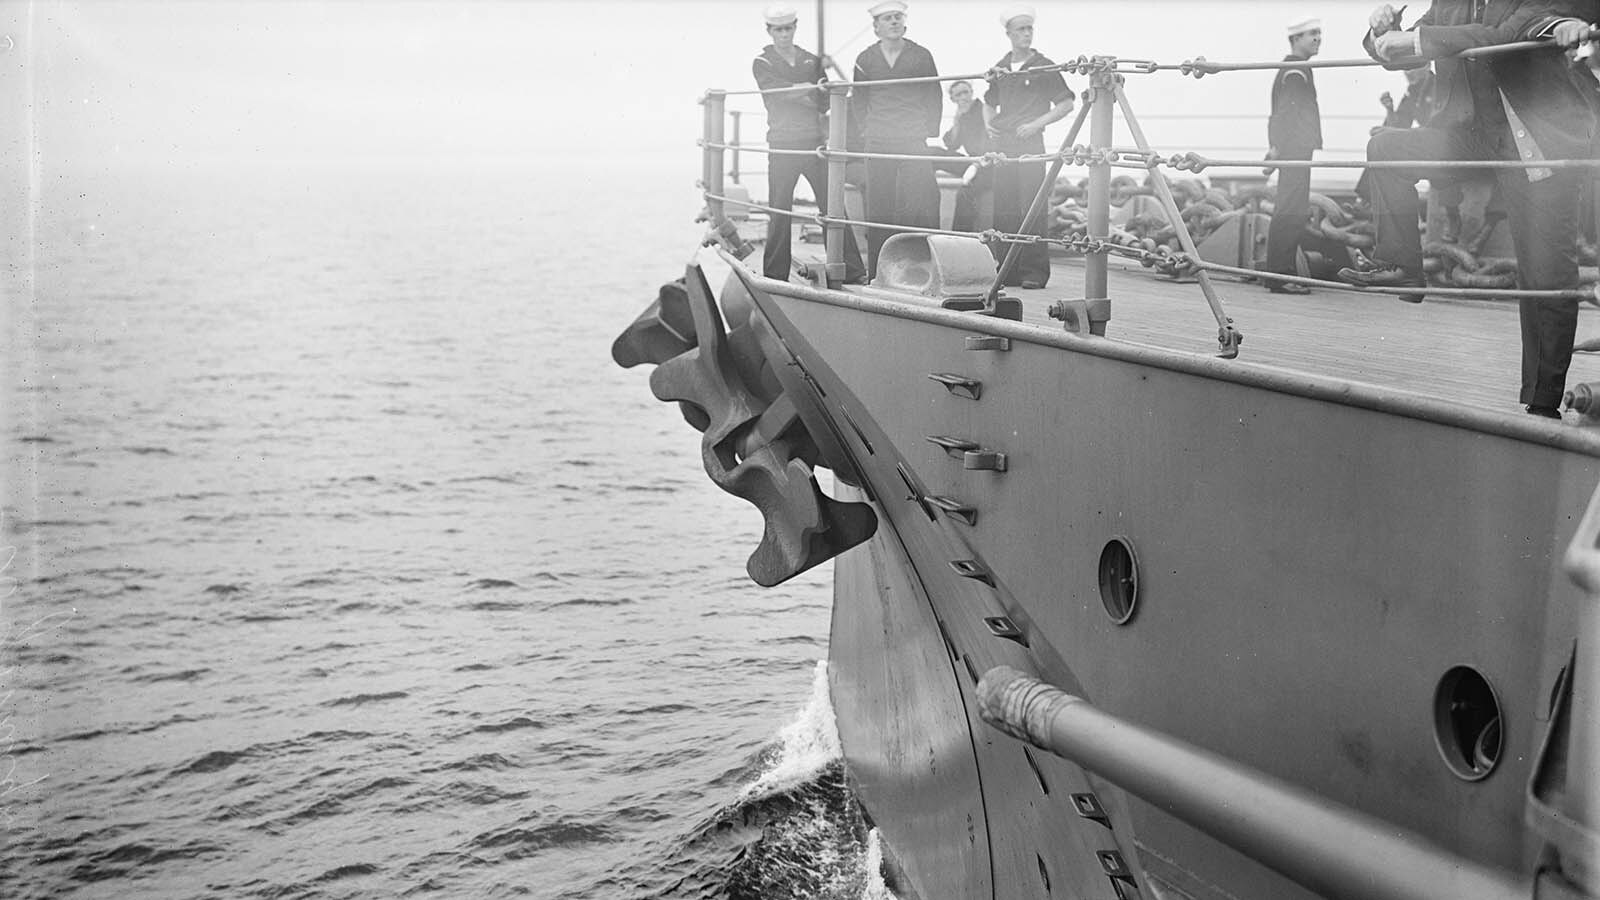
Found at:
<point>231,81</point>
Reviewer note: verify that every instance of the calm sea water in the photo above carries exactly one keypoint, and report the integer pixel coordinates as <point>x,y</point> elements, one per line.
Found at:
<point>342,562</point>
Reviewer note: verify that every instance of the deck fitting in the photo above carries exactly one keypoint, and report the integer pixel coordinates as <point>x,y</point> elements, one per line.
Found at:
<point>988,342</point>
<point>971,568</point>
<point>1111,861</point>
<point>959,385</point>
<point>954,508</point>
<point>984,460</point>
<point>1003,627</point>
<point>1088,806</point>
<point>953,445</point>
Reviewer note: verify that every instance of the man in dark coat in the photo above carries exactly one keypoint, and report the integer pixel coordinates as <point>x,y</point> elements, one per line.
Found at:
<point>1529,105</point>
<point>896,119</point>
<point>1293,132</point>
<point>794,122</point>
<point>970,137</point>
<point>1016,109</point>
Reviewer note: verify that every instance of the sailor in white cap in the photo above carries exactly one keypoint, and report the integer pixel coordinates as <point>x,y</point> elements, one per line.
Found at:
<point>1301,26</point>
<point>1017,108</point>
<point>1294,131</point>
<point>780,14</point>
<point>794,122</point>
<point>896,119</point>
<point>886,7</point>
<point>1018,11</point>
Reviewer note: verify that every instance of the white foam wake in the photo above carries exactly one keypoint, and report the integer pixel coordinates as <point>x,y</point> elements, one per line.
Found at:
<point>806,746</point>
<point>872,886</point>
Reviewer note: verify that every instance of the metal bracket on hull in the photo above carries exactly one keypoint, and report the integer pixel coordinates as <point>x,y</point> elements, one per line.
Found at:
<point>959,385</point>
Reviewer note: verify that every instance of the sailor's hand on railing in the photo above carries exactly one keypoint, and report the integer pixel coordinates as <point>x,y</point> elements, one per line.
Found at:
<point>1395,45</point>
<point>995,73</point>
<point>1572,32</point>
<point>1272,154</point>
<point>1384,19</point>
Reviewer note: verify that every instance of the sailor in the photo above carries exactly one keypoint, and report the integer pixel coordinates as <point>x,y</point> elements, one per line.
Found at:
<point>1531,105</point>
<point>1016,109</point>
<point>969,136</point>
<point>794,122</point>
<point>896,119</point>
<point>1294,132</point>
<point>1417,104</point>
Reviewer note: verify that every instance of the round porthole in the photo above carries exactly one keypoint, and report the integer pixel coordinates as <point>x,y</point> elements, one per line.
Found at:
<point>1119,580</point>
<point>1466,723</point>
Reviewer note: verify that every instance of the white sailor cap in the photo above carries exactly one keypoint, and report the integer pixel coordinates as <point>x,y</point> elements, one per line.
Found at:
<point>886,7</point>
<point>1304,25</point>
<point>1018,11</point>
<point>779,14</point>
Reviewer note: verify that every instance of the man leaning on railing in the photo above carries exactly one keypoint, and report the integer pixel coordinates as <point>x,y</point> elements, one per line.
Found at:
<point>1529,105</point>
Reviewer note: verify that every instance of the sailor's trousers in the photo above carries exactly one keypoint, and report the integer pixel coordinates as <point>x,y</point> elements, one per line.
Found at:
<point>783,173</point>
<point>1544,227</point>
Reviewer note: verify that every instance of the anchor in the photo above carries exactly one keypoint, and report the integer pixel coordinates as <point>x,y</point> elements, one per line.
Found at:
<point>754,443</point>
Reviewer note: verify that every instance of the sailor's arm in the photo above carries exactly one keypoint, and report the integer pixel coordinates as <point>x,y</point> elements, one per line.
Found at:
<point>1385,41</point>
<point>1530,21</point>
<point>932,98</point>
<point>1061,105</point>
<point>768,78</point>
<point>858,96</point>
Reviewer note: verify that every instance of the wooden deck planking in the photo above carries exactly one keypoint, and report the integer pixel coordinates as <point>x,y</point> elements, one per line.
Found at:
<point>1461,351</point>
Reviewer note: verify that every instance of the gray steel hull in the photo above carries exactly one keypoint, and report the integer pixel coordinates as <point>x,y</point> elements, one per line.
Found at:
<point>1313,557</point>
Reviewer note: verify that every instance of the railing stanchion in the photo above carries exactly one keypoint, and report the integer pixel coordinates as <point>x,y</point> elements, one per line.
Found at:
<point>733,158</point>
<point>838,115</point>
<point>1228,337</point>
<point>1101,137</point>
<point>716,103</point>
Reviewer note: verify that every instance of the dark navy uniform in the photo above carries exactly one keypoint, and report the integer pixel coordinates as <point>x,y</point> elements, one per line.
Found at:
<point>795,122</point>
<point>970,136</point>
<point>1294,131</point>
<point>1531,105</point>
<point>1018,100</point>
<point>897,118</point>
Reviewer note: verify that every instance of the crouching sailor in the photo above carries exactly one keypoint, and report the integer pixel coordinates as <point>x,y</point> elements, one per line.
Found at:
<point>794,122</point>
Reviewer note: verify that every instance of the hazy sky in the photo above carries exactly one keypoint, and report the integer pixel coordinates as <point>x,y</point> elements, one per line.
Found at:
<point>542,82</point>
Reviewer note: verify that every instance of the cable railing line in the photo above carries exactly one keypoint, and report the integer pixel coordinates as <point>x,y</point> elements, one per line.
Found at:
<point>1171,250</point>
<point>1175,264</point>
<point>1199,66</point>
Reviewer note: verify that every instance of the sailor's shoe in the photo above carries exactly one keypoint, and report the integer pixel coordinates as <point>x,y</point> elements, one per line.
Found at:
<point>1384,275</point>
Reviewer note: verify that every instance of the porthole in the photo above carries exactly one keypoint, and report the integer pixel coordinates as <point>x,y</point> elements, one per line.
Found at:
<point>1467,723</point>
<point>1119,580</point>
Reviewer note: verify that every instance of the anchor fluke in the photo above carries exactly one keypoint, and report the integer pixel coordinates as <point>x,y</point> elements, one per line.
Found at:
<point>755,445</point>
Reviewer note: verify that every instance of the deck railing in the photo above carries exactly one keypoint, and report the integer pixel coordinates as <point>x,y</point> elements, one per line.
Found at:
<point>1100,155</point>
